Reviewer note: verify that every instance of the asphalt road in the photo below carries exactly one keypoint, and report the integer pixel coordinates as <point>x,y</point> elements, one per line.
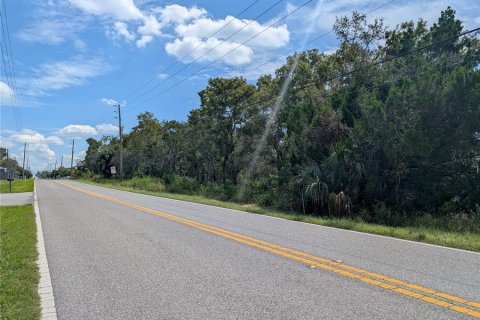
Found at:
<point>15,199</point>
<point>121,255</point>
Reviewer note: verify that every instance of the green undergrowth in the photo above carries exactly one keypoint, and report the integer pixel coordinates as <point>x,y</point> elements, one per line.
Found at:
<point>17,186</point>
<point>18,269</point>
<point>428,234</point>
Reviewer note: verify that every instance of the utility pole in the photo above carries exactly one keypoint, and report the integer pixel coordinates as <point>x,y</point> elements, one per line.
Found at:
<point>61,162</point>
<point>55,170</point>
<point>120,133</point>
<point>28,161</point>
<point>71,160</point>
<point>8,174</point>
<point>23,166</point>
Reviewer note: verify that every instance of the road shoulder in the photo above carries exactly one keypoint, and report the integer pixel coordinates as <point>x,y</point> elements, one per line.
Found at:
<point>45,289</point>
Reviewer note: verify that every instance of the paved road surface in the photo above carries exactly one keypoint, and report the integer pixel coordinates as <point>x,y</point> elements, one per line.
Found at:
<point>15,199</point>
<point>120,255</point>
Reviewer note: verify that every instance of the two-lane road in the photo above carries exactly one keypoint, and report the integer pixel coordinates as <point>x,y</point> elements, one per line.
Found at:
<point>121,255</point>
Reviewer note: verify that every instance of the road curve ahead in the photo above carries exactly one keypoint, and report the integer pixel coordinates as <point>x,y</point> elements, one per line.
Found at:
<point>120,255</point>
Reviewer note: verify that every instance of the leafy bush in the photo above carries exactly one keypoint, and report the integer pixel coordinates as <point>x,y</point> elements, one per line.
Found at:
<point>180,184</point>
<point>262,192</point>
<point>222,192</point>
<point>384,215</point>
<point>144,183</point>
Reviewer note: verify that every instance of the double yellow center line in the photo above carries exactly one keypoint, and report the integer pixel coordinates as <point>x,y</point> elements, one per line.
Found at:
<point>434,297</point>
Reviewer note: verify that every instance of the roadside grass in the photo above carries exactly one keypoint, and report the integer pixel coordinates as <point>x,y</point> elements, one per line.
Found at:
<point>18,269</point>
<point>17,186</point>
<point>461,240</point>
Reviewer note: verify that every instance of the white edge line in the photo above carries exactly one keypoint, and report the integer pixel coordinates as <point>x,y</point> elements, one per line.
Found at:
<point>294,221</point>
<point>45,289</point>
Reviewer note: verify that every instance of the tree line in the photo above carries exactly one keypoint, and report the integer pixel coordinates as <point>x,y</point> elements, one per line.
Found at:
<point>9,164</point>
<point>326,135</point>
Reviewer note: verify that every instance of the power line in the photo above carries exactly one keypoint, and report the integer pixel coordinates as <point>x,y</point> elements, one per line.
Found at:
<point>10,48</point>
<point>315,39</point>
<point>10,74</point>
<point>195,48</point>
<point>216,46</point>
<point>411,73</point>
<point>271,60</point>
<point>219,58</point>
<point>9,84</point>
<point>105,115</point>
<point>405,53</point>
<point>373,64</point>
<point>324,34</point>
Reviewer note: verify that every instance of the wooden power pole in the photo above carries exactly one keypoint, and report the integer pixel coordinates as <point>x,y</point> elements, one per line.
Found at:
<point>23,166</point>
<point>71,160</point>
<point>120,133</point>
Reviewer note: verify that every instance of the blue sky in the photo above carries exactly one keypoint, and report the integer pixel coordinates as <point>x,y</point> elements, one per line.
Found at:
<point>73,59</point>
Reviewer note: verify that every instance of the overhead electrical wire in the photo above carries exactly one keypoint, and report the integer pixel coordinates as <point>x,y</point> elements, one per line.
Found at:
<point>193,49</point>
<point>104,116</point>
<point>300,47</point>
<point>413,71</point>
<point>213,48</point>
<point>10,74</point>
<point>331,78</point>
<point>222,56</point>
<point>178,60</point>
<point>10,86</point>
<point>323,35</point>
<point>11,64</point>
<point>324,81</point>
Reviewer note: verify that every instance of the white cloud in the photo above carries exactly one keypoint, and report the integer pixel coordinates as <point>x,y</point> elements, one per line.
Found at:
<point>264,65</point>
<point>143,41</point>
<point>54,23</point>
<point>80,44</point>
<point>51,31</point>
<point>162,76</point>
<point>393,14</point>
<point>77,156</point>
<point>109,101</point>
<point>210,50</point>
<point>107,128</point>
<point>63,74</point>
<point>77,130</point>
<point>80,155</point>
<point>31,136</point>
<point>429,11</point>
<point>6,94</point>
<point>123,11</point>
<point>274,37</point>
<point>7,130</point>
<point>188,26</point>
<point>191,38</point>
<point>120,30</point>
<point>6,142</point>
<point>119,9</point>
<point>178,14</point>
<point>200,77</point>
<point>161,18</point>
<point>38,146</point>
<point>42,151</point>
<point>151,26</point>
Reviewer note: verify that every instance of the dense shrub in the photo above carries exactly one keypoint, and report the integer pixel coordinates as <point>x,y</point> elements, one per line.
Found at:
<point>181,184</point>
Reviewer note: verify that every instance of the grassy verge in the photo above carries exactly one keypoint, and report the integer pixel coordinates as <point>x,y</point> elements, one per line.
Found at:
<point>17,186</point>
<point>18,269</point>
<point>460,240</point>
